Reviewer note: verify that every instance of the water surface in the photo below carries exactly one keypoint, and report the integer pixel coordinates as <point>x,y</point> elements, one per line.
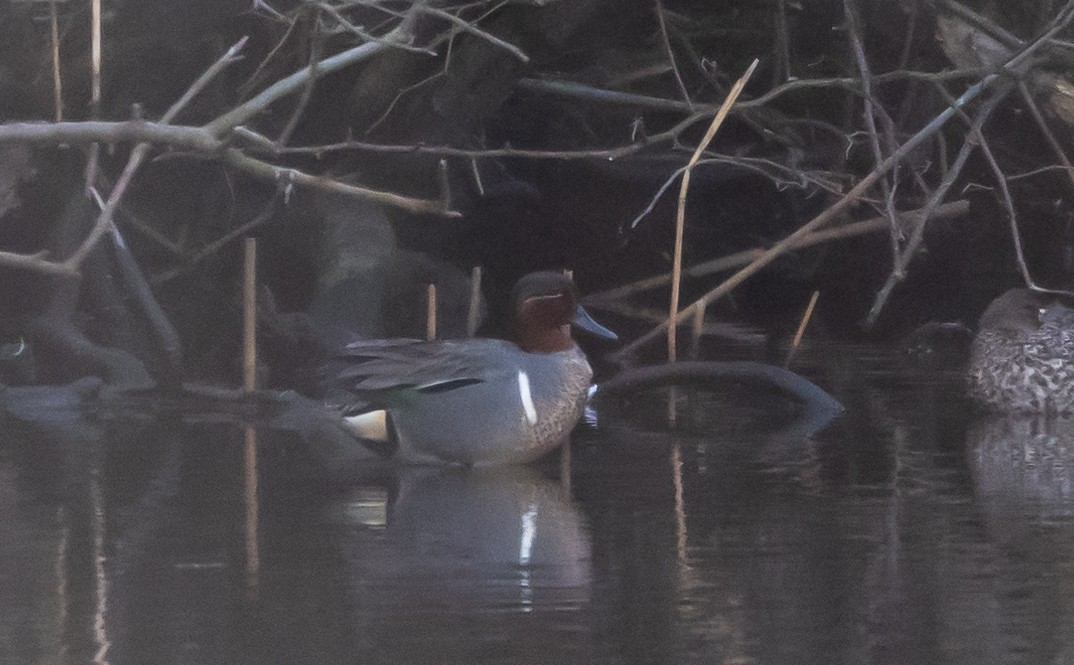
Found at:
<point>907,531</point>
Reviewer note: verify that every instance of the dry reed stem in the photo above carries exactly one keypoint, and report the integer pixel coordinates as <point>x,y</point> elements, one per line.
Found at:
<point>57,82</point>
<point>249,315</point>
<point>801,329</point>
<point>565,468</point>
<point>95,87</point>
<point>252,550</point>
<point>95,57</point>
<point>680,216</point>
<point>473,314</point>
<point>430,312</point>
<point>697,330</point>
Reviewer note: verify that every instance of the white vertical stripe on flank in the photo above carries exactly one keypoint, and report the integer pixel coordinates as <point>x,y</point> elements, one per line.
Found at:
<point>527,398</point>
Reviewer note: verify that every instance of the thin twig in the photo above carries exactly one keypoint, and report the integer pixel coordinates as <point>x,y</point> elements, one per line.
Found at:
<point>307,90</point>
<point>761,166</point>
<point>398,98</point>
<point>902,261</point>
<point>850,11</point>
<point>781,70</point>
<point>367,36</point>
<point>244,89</point>
<point>911,31</point>
<point>670,54</point>
<point>232,55</point>
<point>466,26</point>
<point>129,218</point>
<point>261,218</point>
<point>1008,205</point>
<point>1053,143</point>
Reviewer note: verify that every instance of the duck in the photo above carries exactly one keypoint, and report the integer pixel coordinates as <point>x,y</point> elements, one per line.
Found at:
<point>474,402</point>
<point>1022,357</point>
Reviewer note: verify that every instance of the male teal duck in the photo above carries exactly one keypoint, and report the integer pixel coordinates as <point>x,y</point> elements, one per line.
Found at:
<point>476,402</point>
<point>1022,358</point>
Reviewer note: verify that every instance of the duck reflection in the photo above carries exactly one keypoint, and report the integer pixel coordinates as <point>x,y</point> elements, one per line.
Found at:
<point>1024,464</point>
<point>498,555</point>
<point>1023,469</point>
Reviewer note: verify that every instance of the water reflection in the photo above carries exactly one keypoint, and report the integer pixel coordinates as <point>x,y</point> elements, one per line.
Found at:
<point>1027,462</point>
<point>488,562</point>
<point>906,531</point>
<point>1023,468</point>
<point>140,544</point>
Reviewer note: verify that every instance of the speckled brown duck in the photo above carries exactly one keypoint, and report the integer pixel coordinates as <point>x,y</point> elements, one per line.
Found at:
<point>1022,358</point>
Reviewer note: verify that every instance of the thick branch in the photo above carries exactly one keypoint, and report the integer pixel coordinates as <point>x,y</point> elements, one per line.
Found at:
<point>59,133</point>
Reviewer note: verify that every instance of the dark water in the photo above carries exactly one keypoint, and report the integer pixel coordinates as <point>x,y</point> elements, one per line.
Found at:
<point>908,531</point>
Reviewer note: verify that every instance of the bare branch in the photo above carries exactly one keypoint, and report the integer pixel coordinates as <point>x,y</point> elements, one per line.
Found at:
<point>367,36</point>
<point>274,173</point>
<point>213,247</point>
<point>474,30</point>
<point>818,222</point>
<point>232,55</point>
<point>294,82</point>
<point>1053,143</point>
<point>579,90</point>
<point>307,92</point>
<point>902,260</point>
<point>850,11</point>
<point>59,133</point>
